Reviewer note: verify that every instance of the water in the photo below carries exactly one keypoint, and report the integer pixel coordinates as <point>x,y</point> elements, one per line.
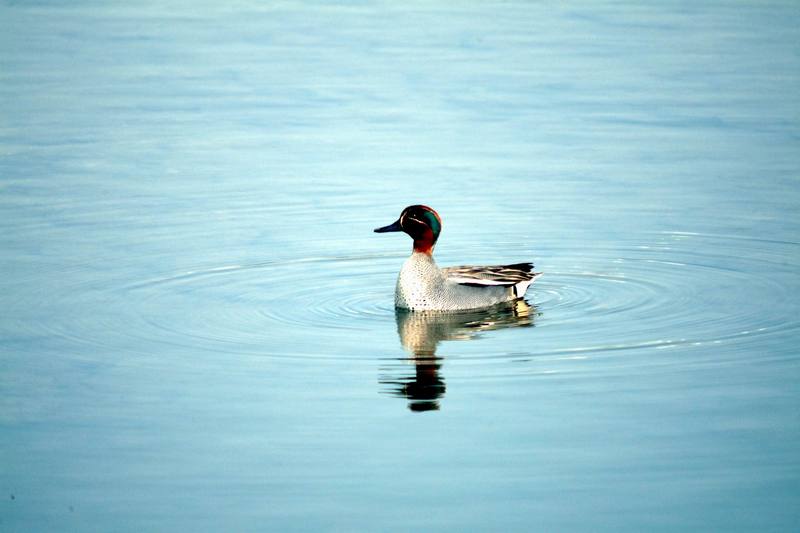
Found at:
<point>197,323</point>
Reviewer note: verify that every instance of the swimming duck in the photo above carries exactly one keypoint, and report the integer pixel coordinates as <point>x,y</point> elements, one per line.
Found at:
<point>423,286</point>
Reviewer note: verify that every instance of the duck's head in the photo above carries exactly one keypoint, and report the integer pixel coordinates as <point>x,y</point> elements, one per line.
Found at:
<point>421,222</point>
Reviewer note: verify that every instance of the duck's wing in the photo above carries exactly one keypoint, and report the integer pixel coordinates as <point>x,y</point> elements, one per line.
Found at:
<point>483,276</point>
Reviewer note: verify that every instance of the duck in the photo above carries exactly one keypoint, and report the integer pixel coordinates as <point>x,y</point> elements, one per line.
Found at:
<point>423,286</point>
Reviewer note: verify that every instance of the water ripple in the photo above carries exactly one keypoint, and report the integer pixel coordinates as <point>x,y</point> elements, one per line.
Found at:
<point>664,291</point>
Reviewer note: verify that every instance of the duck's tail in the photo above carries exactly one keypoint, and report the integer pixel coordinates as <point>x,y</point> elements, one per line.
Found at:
<point>520,287</point>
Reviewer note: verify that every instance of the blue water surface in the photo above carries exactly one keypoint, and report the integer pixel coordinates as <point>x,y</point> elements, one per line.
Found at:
<point>197,330</point>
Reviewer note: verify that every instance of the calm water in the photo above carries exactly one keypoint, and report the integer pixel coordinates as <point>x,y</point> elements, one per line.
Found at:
<point>197,328</point>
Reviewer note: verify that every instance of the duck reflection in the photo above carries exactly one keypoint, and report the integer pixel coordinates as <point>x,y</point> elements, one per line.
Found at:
<point>420,333</point>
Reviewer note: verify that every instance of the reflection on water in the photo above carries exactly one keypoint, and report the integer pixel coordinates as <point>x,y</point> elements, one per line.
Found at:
<point>421,332</point>
<point>424,388</point>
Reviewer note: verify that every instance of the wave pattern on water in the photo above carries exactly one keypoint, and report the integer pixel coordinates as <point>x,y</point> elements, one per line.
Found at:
<point>665,290</point>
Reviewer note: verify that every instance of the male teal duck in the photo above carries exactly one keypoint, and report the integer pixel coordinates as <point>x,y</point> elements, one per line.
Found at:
<point>423,286</point>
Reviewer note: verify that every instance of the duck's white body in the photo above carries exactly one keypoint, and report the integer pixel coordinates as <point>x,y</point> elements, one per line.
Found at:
<point>423,286</point>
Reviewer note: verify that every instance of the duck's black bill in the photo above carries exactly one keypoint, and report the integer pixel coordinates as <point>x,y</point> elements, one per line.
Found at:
<point>391,227</point>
